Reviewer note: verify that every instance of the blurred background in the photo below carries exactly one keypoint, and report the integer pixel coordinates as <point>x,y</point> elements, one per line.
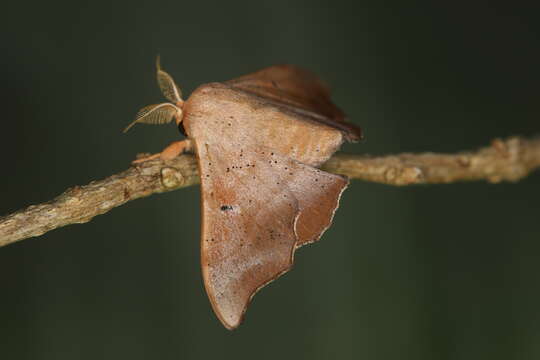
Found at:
<point>420,272</point>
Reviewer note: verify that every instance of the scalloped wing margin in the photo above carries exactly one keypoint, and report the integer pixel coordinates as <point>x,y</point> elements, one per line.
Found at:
<point>256,212</point>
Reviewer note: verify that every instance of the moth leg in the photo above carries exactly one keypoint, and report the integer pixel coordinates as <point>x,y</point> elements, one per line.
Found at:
<point>170,152</point>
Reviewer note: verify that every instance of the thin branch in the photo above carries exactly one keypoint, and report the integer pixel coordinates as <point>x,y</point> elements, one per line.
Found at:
<point>504,160</point>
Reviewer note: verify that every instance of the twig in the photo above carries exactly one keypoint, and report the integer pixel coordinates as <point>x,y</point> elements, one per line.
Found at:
<point>504,160</point>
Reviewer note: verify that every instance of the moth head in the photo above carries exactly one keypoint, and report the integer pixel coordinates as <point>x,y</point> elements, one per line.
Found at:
<point>163,113</point>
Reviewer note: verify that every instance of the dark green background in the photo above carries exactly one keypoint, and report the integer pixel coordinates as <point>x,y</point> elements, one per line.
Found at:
<point>423,272</point>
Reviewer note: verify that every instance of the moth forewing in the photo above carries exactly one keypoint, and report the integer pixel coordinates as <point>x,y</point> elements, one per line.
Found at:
<point>262,197</point>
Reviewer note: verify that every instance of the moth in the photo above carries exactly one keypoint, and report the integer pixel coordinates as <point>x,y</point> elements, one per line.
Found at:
<point>259,140</point>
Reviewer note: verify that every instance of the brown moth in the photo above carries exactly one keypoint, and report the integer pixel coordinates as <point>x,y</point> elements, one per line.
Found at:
<point>259,140</point>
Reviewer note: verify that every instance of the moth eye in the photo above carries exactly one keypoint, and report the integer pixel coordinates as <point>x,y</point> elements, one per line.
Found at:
<point>182,129</point>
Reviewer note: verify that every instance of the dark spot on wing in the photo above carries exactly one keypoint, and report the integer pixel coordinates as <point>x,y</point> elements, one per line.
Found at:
<point>226,207</point>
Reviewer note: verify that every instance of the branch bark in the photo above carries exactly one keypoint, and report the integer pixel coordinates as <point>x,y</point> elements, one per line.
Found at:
<point>505,160</point>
